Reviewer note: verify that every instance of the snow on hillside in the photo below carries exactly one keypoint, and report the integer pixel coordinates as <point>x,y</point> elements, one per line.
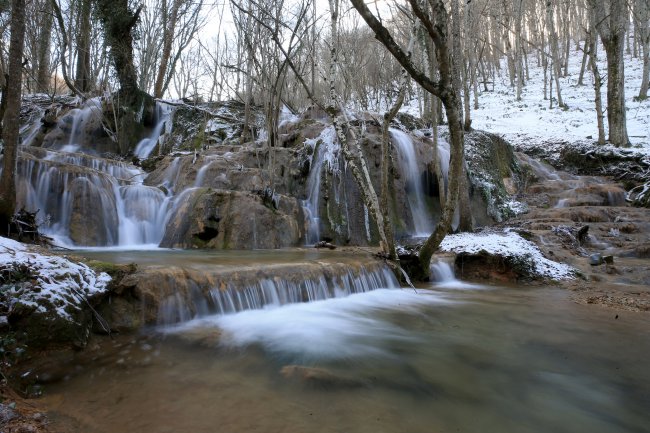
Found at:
<point>530,121</point>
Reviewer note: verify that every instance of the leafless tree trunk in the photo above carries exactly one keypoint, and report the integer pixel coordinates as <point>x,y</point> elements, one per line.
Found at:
<point>44,47</point>
<point>592,49</point>
<point>169,20</point>
<point>611,20</point>
<point>436,26</point>
<point>555,56</point>
<point>11,120</point>
<point>83,80</point>
<point>642,31</point>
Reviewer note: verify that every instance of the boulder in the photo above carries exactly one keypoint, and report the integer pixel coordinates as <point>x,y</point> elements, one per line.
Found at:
<point>221,219</point>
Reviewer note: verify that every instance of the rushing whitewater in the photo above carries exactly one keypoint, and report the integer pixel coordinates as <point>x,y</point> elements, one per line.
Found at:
<point>422,223</point>
<point>325,156</point>
<point>266,293</point>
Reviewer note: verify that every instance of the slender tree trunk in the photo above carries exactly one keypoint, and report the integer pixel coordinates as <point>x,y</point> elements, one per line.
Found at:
<point>44,48</point>
<point>555,56</point>
<point>169,21</point>
<point>642,35</point>
<point>11,120</point>
<point>518,48</point>
<point>339,119</point>
<point>616,114</point>
<point>593,62</point>
<point>643,91</point>
<point>583,65</point>
<point>83,81</point>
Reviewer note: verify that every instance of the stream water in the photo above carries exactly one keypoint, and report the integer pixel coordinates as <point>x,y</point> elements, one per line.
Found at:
<point>446,357</point>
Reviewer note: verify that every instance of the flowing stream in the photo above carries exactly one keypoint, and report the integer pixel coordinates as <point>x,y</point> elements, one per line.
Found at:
<point>422,222</point>
<point>444,357</point>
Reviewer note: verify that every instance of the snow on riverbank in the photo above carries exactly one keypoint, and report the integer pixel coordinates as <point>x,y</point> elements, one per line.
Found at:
<point>45,282</point>
<point>508,244</point>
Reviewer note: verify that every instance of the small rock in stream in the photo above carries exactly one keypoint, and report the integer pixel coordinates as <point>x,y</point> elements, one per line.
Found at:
<point>596,259</point>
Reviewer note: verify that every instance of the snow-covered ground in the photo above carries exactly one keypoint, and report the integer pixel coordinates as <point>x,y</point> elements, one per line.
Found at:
<point>53,283</point>
<point>531,121</point>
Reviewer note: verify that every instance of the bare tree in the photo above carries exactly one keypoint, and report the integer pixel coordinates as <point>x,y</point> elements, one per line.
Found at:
<point>11,120</point>
<point>436,25</point>
<point>642,30</point>
<point>611,21</point>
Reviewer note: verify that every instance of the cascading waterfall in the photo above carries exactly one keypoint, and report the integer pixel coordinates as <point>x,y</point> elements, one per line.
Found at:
<point>80,117</point>
<point>67,187</point>
<point>147,145</point>
<point>422,223</point>
<point>443,276</point>
<point>442,272</point>
<point>325,155</point>
<point>84,200</point>
<point>274,292</point>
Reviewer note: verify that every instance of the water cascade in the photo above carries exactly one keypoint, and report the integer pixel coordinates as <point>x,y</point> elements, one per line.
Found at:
<point>236,296</point>
<point>325,155</point>
<point>147,145</point>
<point>443,276</point>
<point>85,200</point>
<point>90,201</point>
<point>422,224</point>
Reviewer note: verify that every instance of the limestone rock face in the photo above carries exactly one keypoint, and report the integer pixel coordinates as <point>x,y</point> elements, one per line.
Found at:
<point>221,219</point>
<point>93,216</point>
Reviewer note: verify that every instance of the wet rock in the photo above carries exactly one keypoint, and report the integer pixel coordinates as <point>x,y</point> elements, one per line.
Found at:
<point>219,219</point>
<point>320,377</point>
<point>4,323</point>
<point>324,244</point>
<point>7,413</point>
<point>596,259</point>
<point>93,218</point>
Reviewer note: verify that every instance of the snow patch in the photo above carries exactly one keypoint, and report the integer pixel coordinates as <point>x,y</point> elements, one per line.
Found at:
<point>508,244</point>
<point>55,283</point>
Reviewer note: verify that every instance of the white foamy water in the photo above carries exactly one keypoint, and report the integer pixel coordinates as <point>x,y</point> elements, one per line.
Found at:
<point>337,328</point>
<point>444,277</point>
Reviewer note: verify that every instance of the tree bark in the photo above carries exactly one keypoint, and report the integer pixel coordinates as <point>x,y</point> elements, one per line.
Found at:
<point>44,48</point>
<point>555,56</point>
<point>593,63</point>
<point>611,20</point>
<point>11,120</point>
<point>82,77</point>
<point>642,31</point>
<point>169,21</point>
<point>119,23</point>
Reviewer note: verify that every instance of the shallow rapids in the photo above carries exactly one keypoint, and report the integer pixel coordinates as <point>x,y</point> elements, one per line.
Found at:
<point>433,360</point>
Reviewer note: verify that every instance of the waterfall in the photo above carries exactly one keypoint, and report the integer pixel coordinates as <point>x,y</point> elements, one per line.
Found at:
<point>266,292</point>
<point>147,145</point>
<point>80,118</point>
<point>408,160</point>
<point>325,154</point>
<point>442,272</point>
<point>443,276</point>
<point>90,201</point>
